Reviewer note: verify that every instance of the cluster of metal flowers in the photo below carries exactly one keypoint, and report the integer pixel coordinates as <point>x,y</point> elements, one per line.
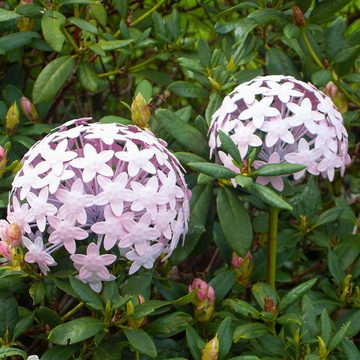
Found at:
<point>290,120</point>
<point>114,188</point>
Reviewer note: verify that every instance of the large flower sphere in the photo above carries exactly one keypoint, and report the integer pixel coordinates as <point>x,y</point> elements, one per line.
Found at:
<point>290,120</point>
<point>115,188</point>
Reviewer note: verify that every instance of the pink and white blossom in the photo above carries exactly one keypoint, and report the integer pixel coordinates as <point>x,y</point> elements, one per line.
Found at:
<point>298,124</point>
<point>107,186</point>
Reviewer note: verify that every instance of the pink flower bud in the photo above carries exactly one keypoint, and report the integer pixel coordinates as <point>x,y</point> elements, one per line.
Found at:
<point>2,153</point>
<point>242,267</point>
<point>2,160</point>
<point>5,250</point>
<point>29,110</point>
<point>204,300</point>
<point>211,350</point>
<point>13,233</point>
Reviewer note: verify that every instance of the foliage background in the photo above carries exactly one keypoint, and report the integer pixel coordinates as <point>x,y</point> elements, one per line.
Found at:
<point>75,58</point>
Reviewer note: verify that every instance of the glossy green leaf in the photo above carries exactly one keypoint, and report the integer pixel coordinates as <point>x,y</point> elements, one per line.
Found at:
<point>29,10</point>
<point>86,294</point>
<point>75,331</point>
<point>278,62</point>
<point>325,326</point>
<point>242,307</point>
<point>6,15</point>
<point>51,24</point>
<point>204,52</point>
<point>249,331</point>
<point>222,284</point>
<point>187,89</point>
<point>113,44</point>
<point>37,291</point>
<point>115,119</point>
<point>326,9</point>
<point>141,342</point>
<point>278,169</point>
<point>52,78</point>
<point>268,196</point>
<point>194,342</point>
<point>170,324</point>
<point>296,293</point>
<point>234,220</point>
<point>17,40</point>
<point>8,313</point>
<point>224,333</point>
<point>187,135</point>
<point>59,352</point>
<point>187,157</point>
<point>84,25</point>
<point>49,316</point>
<point>261,291</point>
<point>214,170</point>
<point>338,337</point>
<point>8,352</point>
<point>336,268</point>
<point>88,77</point>
<point>229,146</point>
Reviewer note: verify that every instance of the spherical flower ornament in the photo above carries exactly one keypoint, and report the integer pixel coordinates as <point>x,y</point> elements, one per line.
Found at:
<point>114,188</point>
<point>290,120</point>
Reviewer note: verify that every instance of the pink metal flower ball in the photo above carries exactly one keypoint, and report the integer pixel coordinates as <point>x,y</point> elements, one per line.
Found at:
<point>290,120</point>
<point>115,188</point>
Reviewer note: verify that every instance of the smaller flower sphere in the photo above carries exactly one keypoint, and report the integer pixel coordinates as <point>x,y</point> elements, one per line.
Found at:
<point>290,120</point>
<point>114,188</point>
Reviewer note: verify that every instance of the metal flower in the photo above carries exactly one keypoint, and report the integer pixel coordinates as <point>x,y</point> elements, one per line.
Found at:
<point>290,120</point>
<point>105,186</point>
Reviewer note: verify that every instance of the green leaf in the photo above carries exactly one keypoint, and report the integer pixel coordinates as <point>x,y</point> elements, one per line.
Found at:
<point>194,342</point>
<point>325,10</point>
<point>338,337</point>
<point>186,157</point>
<point>234,220</point>
<point>37,291</point>
<point>8,313</point>
<point>51,24</point>
<point>351,351</point>
<point>114,44</point>
<point>244,181</point>
<point>245,357</point>
<point>321,77</point>
<point>336,268</point>
<point>242,307</point>
<point>52,78</point>
<point>187,135</point>
<point>170,324</point>
<point>327,217</point>
<point>141,342</point>
<point>86,294</point>
<point>278,169</point>
<point>222,284</point>
<point>204,52</point>
<point>296,293</point>
<point>229,146</point>
<point>59,352</point>
<point>26,141</point>
<point>115,119</point>
<point>6,15</point>
<point>145,89</point>
<point>88,77</point>
<point>261,291</point>
<point>75,331</point>
<point>224,333</point>
<point>22,325</point>
<point>17,40</point>
<point>215,101</point>
<point>326,326</point>
<point>278,62</point>
<point>187,89</point>
<point>84,25</point>
<point>51,317</point>
<point>249,331</point>
<point>137,285</point>
<point>268,196</point>
<point>214,170</point>
<point>10,351</point>
<point>29,10</point>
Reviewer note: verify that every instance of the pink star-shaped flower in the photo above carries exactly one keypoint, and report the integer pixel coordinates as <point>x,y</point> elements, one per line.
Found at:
<point>244,137</point>
<point>304,115</point>
<point>305,156</point>
<point>137,159</point>
<point>329,163</point>
<point>108,133</point>
<point>64,232</point>
<point>163,220</point>
<point>139,234</point>
<point>325,137</point>
<point>114,192</point>
<point>40,208</point>
<point>146,260</point>
<point>93,163</point>
<point>169,191</point>
<point>248,92</point>
<point>20,215</point>
<point>37,254</point>
<point>75,201</point>
<point>282,91</point>
<point>112,227</point>
<point>92,267</point>
<point>277,129</point>
<point>53,181</point>
<point>259,110</point>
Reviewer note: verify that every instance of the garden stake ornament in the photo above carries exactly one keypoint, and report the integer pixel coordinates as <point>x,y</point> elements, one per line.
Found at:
<point>279,120</point>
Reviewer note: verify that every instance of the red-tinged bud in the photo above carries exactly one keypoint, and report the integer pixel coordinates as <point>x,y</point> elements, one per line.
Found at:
<point>5,250</point>
<point>2,160</point>
<point>298,16</point>
<point>12,119</point>
<point>211,350</point>
<point>29,110</point>
<point>140,113</point>
<point>13,233</point>
<point>132,322</point>
<point>204,300</point>
<point>269,305</point>
<point>336,96</point>
<point>242,267</point>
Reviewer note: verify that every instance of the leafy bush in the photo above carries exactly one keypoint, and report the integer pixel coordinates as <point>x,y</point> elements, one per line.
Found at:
<point>172,63</point>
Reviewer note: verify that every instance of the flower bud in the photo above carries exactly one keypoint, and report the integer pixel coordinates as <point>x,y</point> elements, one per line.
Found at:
<point>140,113</point>
<point>204,300</point>
<point>336,96</point>
<point>2,160</point>
<point>131,321</point>
<point>12,119</point>
<point>13,233</point>
<point>242,267</point>
<point>298,16</point>
<point>5,250</point>
<point>269,305</point>
<point>29,110</point>
<point>211,350</point>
